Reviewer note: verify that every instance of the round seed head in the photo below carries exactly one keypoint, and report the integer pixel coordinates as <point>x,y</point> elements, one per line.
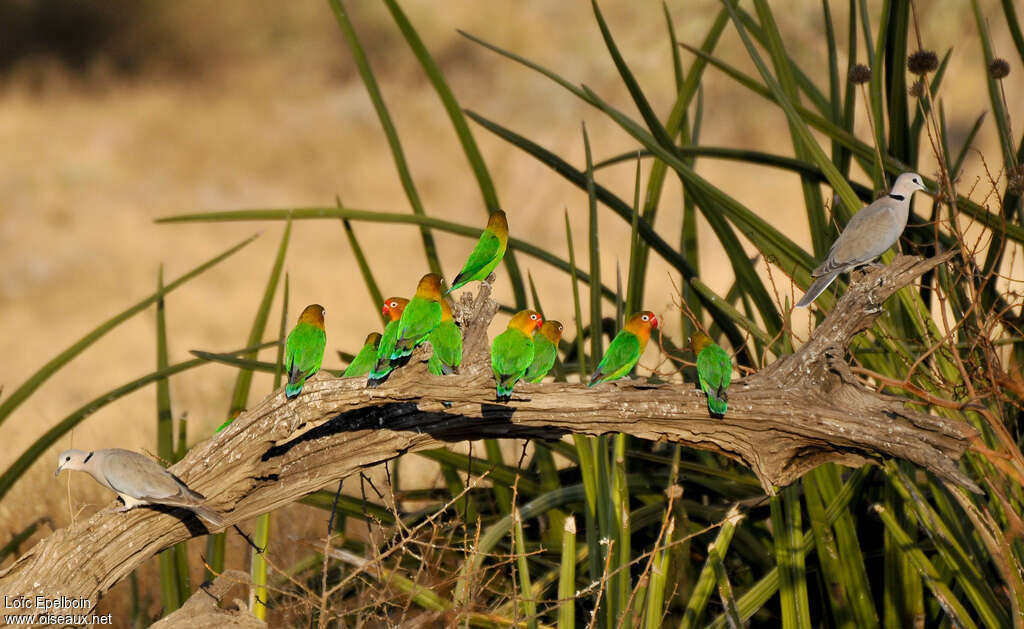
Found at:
<point>859,73</point>
<point>998,69</point>
<point>922,62</point>
<point>1015,180</point>
<point>917,89</point>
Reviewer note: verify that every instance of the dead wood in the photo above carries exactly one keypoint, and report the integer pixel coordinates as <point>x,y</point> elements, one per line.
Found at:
<point>804,410</point>
<point>203,609</point>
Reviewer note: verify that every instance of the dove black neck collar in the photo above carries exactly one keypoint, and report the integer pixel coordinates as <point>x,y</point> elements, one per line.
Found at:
<point>898,197</point>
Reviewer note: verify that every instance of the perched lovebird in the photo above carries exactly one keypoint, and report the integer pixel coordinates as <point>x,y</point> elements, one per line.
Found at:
<point>487,253</point>
<point>714,370</point>
<point>138,480</point>
<point>364,360</point>
<point>868,235</point>
<point>545,350</point>
<point>393,308</point>
<point>446,339</point>
<point>626,348</point>
<point>512,351</point>
<point>304,349</point>
<point>420,317</point>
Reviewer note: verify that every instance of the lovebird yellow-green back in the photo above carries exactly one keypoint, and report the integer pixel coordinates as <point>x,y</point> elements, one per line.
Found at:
<point>626,348</point>
<point>365,359</point>
<point>446,340</point>
<point>304,348</point>
<point>488,251</point>
<point>512,351</point>
<point>714,371</point>
<point>545,350</point>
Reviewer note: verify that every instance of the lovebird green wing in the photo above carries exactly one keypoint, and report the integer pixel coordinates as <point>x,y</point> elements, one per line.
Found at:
<point>418,319</point>
<point>544,354</point>
<point>304,351</point>
<point>484,258</point>
<point>511,355</point>
<point>621,357</point>
<point>387,345</point>
<point>446,339</point>
<point>362,363</point>
<point>714,370</point>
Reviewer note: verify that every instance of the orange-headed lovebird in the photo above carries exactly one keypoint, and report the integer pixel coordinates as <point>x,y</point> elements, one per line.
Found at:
<point>487,253</point>
<point>392,308</point>
<point>545,350</point>
<point>421,316</point>
<point>512,351</point>
<point>625,348</point>
<point>364,360</point>
<point>714,370</point>
<point>304,348</point>
<point>446,339</point>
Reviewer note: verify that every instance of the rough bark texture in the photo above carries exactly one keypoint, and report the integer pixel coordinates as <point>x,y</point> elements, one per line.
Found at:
<point>202,610</point>
<point>804,410</point>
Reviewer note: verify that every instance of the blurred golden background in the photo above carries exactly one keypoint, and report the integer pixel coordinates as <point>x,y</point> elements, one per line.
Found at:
<point>111,117</point>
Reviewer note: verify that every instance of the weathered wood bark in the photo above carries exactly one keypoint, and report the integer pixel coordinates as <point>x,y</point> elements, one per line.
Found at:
<point>202,610</point>
<point>802,411</point>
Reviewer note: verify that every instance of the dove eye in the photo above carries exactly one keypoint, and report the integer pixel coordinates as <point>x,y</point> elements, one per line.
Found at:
<point>66,459</point>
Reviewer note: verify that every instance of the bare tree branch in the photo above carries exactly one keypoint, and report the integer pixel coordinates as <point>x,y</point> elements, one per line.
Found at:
<point>804,410</point>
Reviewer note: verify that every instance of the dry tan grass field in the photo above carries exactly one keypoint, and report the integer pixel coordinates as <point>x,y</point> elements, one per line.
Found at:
<point>258,105</point>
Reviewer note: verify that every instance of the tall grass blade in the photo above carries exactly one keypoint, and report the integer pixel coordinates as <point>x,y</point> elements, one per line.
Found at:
<point>896,83</point>
<point>758,594</point>
<point>61,428</point>
<point>577,309</point>
<point>259,567</point>
<point>401,165</point>
<point>469,146</point>
<point>19,395</point>
<point>706,581</point>
<point>169,581</point>
<point>567,577</point>
<point>376,217</point>
<point>529,603</point>
<point>946,598</point>
<point>376,296</point>
<point>654,608</point>
<point>595,256</point>
<point>820,228</point>
<point>243,382</point>
<point>14,544</point>
<point>835,178</point>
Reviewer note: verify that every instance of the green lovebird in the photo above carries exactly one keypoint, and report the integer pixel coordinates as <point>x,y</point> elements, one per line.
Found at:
<point>364,360</point>
<point>626,348</point>
<point>545,350</point>
<point>446,339</point>
<point>392,308</point>
<point>421,316</point>
<point>714,370</point>
<point>512,351</point>
<point>487,253</point>
<point>304,348</point>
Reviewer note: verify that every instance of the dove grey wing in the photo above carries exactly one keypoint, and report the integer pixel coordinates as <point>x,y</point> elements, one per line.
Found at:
<point>868,235</point>
<point>140,477</point>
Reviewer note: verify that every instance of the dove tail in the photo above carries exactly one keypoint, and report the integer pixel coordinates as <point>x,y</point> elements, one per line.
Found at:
<point>815,289</point>
<point>208,514</point>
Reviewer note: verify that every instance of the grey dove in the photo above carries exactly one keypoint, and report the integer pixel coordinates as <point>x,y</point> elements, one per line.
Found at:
<point>868,235</point>
<point>137,479</point>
